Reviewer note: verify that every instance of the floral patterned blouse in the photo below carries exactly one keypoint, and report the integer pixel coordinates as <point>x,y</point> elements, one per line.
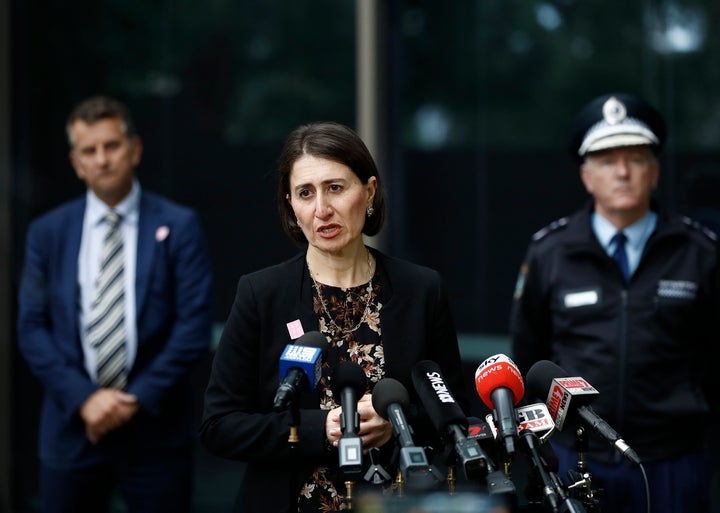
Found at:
<point>350,319</point>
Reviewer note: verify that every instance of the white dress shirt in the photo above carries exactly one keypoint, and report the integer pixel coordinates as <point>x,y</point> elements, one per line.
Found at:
<point>93,234</point>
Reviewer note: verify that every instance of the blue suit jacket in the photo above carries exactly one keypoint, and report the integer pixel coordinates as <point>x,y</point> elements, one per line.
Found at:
<point>174,318</point>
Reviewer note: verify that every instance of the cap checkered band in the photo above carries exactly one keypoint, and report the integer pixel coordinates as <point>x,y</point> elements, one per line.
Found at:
<point>627,132</point>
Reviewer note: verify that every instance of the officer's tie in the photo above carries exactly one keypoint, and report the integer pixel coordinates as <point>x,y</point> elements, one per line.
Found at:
<point>106,321</point>
<point>620,255</point>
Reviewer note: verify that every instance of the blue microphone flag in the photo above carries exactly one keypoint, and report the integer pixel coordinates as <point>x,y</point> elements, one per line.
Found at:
<point>307,358</point>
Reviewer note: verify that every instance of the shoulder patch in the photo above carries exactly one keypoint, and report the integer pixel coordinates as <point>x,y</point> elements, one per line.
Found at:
<point>552,227</point>
<point>520,283</point>
<point>692,223</point>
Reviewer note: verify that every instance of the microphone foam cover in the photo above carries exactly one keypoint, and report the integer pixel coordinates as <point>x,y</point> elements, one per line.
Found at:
<point>386,392</point>
<point>348,374</point>
<point>540,377</point>
<point>495,372</point>
<point>313,339</point>
<point>436,397</point>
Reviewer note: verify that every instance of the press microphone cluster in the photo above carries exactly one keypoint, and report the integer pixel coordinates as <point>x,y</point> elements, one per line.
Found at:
<point>450,422</point>
<point>512,426</point>
<point>530,424</point>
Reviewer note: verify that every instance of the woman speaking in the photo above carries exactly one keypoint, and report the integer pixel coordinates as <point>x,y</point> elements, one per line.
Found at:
<point>380,312</point>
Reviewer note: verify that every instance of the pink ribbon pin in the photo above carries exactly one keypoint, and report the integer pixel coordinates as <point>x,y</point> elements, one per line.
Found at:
<point>161,233</point>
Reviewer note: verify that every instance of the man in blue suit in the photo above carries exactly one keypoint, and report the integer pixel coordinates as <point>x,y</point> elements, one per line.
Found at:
<point>134,435</point>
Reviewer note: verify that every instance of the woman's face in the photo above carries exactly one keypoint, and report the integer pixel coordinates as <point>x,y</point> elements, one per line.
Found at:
<point>329,202</point>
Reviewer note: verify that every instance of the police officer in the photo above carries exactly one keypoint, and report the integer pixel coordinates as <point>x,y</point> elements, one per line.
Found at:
<point>625,295</point>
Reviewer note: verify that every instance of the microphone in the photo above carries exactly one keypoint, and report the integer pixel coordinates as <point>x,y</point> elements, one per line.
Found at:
<point>532,417</point>
<point>500,386</point>
<point>568,398</point>
<point>349,383</point>
<point>479,429</point>
<point>498,483</point>
<point>301,366</point>
<point>448,418</point>
<point>390,398</point>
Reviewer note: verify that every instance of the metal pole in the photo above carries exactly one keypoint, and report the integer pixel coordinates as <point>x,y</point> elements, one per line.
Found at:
<point>369,96</point>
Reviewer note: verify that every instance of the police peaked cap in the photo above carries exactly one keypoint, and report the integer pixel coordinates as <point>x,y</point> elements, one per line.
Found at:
<point>616,120</point>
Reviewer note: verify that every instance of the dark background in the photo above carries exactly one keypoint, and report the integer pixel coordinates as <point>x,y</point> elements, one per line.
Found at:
<point>479,98</point>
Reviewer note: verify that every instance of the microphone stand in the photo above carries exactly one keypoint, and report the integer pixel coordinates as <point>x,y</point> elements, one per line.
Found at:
<point>549,486</point>
<point>375,474</point>
<point>293,437</point>
<point>349,493</point>
<point>569,504</point>
<point>555,495</point>
<point>581,447</point>
<point>581,480</point>
<point>451,479</point>
<point>553,491</point>
<point>399,483</point>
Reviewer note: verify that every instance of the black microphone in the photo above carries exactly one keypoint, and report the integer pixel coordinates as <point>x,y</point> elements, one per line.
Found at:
<point>498,483</point>
<point>568,398</point>
<point>349,383</point>
<point>448,418</point>
<point>390,398</point>
<point>301,367</point>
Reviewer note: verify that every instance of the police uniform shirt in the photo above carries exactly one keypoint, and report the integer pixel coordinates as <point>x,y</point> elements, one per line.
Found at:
<point>637,235</point>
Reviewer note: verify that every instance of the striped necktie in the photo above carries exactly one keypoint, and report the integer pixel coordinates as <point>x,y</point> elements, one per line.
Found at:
<point>620,255</point>
<point>106,320</point>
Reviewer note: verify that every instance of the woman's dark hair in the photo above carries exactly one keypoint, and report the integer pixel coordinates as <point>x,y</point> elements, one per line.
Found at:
<point>331,141</point>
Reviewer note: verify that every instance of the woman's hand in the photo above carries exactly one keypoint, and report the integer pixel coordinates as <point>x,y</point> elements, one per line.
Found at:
<point>374,430</point>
